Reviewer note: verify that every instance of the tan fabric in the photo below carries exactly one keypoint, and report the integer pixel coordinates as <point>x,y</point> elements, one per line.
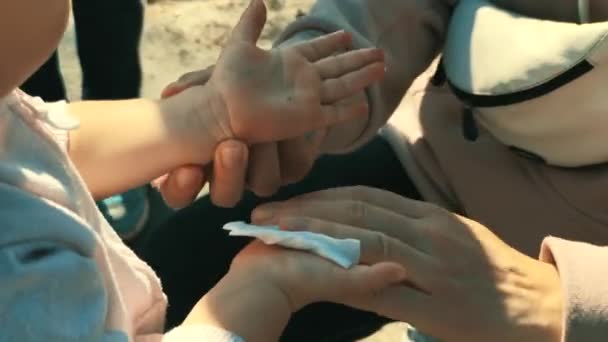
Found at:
<point>522,201</point>
<point>498,54</point>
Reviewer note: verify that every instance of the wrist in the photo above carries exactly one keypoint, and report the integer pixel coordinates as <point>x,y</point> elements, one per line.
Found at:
<point>246,304</point>
<point>196,119</point>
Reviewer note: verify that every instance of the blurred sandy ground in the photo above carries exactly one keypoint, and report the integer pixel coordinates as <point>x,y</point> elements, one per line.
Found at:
<point>185,35</point>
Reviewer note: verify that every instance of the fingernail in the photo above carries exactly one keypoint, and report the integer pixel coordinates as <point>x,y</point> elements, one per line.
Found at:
<point>232,157</point>
<point>262,215</point>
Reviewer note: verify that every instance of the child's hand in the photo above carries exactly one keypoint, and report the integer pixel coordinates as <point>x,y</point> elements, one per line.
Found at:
<point>305,278</point>
<point>265,285</point>
<point>265,96</point>
<point>303,94</point>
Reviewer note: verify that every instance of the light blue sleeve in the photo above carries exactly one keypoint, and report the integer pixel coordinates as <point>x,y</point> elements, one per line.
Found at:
<point>50,286</point>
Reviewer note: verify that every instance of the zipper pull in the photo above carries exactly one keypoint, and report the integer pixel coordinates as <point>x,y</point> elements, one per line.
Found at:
<point>470,131</point>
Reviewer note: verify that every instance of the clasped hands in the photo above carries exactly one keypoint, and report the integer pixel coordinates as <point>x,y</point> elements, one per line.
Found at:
<point>272,111</point>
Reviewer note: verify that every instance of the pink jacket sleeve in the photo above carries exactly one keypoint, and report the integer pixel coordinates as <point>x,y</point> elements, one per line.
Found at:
<point>583,270</point>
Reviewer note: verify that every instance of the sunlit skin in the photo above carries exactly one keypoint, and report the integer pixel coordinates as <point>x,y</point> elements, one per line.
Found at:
<point>244,101</point>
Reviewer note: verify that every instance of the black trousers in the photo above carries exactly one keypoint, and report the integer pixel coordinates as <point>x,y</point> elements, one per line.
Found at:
<point>191,252</point>
<point>108,34</point>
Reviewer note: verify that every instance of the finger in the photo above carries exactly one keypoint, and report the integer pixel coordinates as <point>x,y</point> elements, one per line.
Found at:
<point>376,197</point>
<point>173,89</point>
<point>250,24</point>
<point>324,46</point>
<point>264,174</point>
<point>336,89</point>
<point>375,246</point>
<point>297,156</point>
<point>182,186</point>
<point>339,65</point>
<point>229,171</point>
<point>350,213</point>
<point>199,77</point>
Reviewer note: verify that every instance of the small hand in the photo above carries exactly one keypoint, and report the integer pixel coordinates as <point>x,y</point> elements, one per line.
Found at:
<point>181,186</point>
<point>277,282</point>
<point>464,283</point>
<point>272,164</point>
<point>268,96</point>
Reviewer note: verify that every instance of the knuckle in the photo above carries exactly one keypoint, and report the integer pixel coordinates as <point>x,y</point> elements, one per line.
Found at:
<point>304,223</point>
<point>358,211</point>
<point>384,245</point>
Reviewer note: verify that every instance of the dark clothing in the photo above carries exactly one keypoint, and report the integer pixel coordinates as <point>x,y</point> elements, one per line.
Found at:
<point>108,34</point>
<point>191,252</point>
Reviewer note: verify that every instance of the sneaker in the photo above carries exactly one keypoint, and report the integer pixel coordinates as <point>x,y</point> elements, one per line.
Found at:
<point>128,212</point>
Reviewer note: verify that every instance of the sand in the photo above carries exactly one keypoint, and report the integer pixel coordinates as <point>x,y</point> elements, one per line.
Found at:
<point>186,35</point>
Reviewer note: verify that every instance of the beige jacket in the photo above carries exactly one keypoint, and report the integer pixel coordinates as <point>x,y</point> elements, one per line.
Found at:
<point>523,201</point>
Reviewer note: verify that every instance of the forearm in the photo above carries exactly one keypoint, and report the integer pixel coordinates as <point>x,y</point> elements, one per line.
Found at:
<point>254,311</point>
<point>123,144</point>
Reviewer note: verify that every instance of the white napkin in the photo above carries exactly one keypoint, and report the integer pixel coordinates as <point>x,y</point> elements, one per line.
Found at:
<point>344,252</point>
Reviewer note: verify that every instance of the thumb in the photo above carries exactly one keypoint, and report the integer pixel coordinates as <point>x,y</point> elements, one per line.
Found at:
<point>181,187</point>
<point>251,23</point>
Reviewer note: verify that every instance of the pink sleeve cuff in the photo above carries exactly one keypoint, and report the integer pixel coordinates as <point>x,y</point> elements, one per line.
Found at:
<point>583,269</point>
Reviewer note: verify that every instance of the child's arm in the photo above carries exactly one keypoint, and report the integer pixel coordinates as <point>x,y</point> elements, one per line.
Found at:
<point>253,95</point>
<point>123,144</point>
<point>266,284</point>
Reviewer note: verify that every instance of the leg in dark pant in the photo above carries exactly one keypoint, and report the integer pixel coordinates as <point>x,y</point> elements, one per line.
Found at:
<point>47,82</point>
<point>108,33</point>
<point>191,252</point>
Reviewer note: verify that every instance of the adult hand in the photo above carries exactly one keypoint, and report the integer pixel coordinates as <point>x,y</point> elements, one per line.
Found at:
<point>463,284</point>
<point>226,175</point>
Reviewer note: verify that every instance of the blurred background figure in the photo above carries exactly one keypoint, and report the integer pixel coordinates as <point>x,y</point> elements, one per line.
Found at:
<point>108,34</point>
